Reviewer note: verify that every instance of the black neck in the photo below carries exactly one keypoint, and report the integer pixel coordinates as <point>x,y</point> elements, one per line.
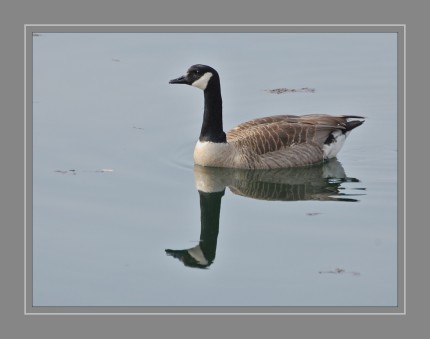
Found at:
<point>212,118</point>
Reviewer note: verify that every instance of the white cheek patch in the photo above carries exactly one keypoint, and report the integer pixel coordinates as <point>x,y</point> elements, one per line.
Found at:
<point>202,82</point>
<point>197,254</point>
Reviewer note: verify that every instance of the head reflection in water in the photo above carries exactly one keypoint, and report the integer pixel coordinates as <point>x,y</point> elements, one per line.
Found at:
<point>203,255</point>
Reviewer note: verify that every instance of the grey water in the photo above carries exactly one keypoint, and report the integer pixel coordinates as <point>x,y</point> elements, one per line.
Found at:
<point>122,217</point>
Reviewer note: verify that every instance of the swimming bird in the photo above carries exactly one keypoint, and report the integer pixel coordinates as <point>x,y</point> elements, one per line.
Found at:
<point>278,141</point>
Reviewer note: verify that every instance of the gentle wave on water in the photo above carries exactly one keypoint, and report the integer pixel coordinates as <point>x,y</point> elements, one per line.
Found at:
<point>181,156</point>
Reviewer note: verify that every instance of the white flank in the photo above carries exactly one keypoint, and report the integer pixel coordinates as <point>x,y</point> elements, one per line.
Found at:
<point>330,151</point>
<point>202,82</point>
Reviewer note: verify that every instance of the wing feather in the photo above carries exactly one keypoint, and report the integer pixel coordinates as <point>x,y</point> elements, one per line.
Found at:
<point>285,140</point>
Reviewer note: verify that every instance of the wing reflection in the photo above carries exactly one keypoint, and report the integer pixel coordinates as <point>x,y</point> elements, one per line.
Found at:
<point>321,182</point>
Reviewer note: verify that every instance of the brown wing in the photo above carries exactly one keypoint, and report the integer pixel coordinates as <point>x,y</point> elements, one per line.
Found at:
<point>285,140</point>
<point>310,119</point>
<point>270,134</point>
<point>262,121</point>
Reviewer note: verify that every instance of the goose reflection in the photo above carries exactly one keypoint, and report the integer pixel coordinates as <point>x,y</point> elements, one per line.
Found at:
<point>320,182</point>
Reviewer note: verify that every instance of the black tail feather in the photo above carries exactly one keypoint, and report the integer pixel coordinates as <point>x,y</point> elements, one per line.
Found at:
<point>350,125</point>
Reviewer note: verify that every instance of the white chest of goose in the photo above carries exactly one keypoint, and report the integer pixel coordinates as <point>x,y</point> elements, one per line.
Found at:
<point>279,141</point>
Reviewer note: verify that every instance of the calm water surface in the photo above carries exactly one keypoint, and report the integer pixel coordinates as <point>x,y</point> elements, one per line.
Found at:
<point>122,217</point>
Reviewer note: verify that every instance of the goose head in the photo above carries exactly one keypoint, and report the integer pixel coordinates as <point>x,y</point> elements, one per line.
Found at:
<point>200,76</point>
<point>207,79</point>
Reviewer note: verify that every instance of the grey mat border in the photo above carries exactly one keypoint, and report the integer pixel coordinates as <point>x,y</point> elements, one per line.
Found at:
<point>29,30</point>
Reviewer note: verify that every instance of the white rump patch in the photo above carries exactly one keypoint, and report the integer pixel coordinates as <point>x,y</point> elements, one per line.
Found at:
<point>330,151</point>
<point>202,82</point>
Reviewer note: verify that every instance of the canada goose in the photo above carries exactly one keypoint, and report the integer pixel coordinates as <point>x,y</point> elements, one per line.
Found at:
<point>272,142</point>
